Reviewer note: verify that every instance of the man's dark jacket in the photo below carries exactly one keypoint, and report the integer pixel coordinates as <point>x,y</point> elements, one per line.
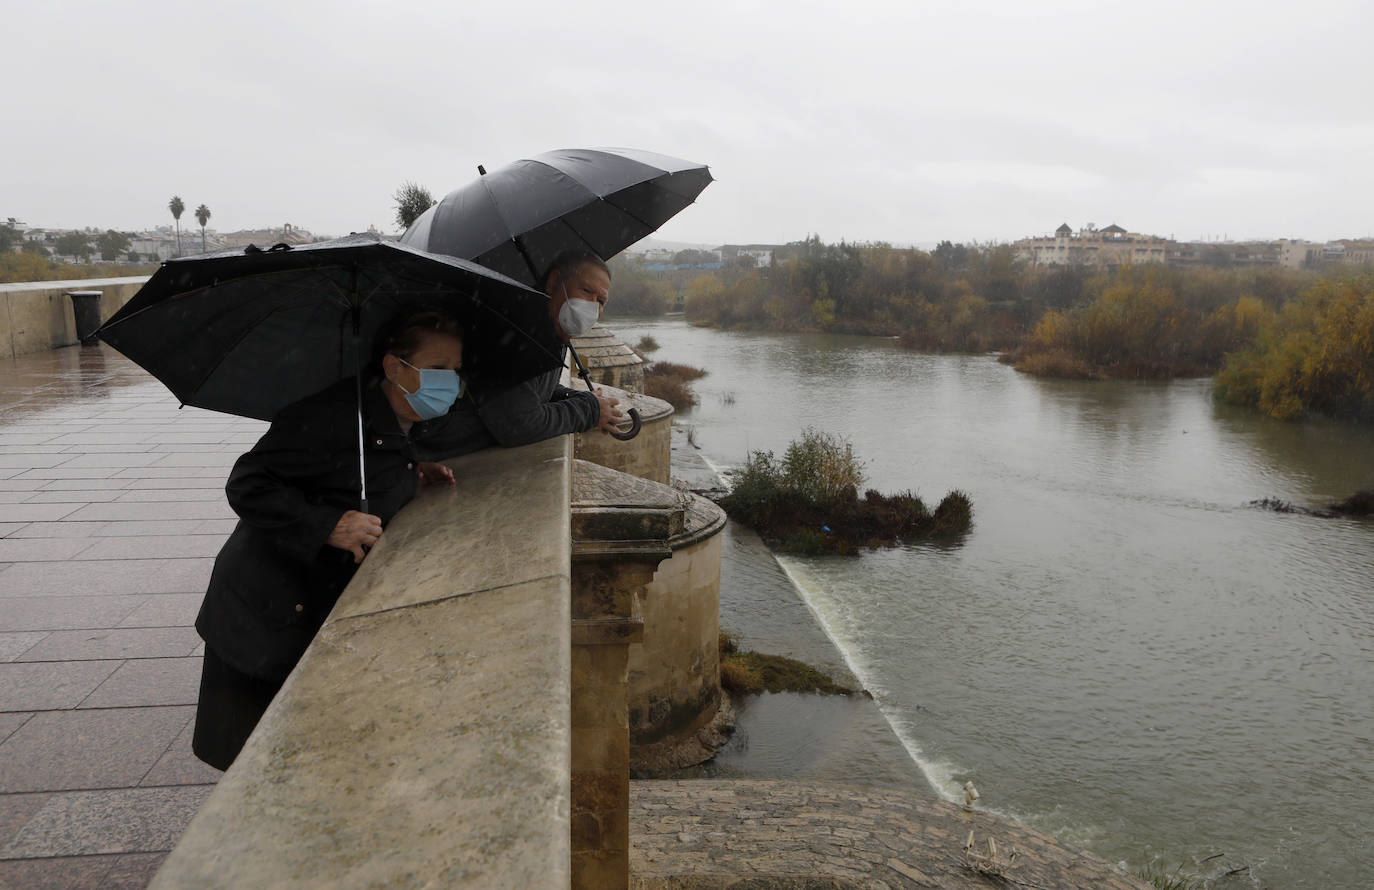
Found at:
<point>537,409</point>
<point>276,579</point>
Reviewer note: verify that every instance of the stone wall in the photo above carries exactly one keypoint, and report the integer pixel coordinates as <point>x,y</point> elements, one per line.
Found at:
<point>424,740</point>
<point>38,315</point>
<point>649,454</point>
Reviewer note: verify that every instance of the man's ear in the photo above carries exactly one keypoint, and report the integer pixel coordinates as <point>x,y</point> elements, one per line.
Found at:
<point>552,282</point>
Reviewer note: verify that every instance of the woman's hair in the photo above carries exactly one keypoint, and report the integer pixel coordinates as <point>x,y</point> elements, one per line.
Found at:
<point>402,333</point>
<point>569,261</point>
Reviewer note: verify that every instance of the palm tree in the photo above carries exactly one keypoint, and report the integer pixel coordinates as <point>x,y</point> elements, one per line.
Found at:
<point>202,214</point>
<point>176,207</point>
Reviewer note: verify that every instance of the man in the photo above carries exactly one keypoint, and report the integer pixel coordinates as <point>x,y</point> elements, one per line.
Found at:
<point>578,285</point>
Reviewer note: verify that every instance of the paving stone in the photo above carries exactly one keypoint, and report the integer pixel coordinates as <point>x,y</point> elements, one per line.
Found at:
<point>108,577</point>
<point>164,610</point>
<point>193,510</point>
<point>36,512</point>
<point>149,681</point>
<point>177,495</point>
<point>41,549</point>
<point>65,750</point>
<point>60,530</point>
<point>61,873</point>
<point>15,812</point>
<point>133,871</point>
<point>10,723</point>
<point>48,685</point>
<point>72,496</point>
<point>13,644</point>
<point>149,547</point>
<point>23,613</point>
<point>108,643</point>
<point>126,820</point>
<point>180,766</point>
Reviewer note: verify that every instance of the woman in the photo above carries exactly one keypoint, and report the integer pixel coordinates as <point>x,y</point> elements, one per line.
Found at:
<point>299,538</point>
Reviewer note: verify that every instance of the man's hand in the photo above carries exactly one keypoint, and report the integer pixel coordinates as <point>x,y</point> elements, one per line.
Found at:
<point>611,416</point>
<point>432,473</point>
<point>356,532</point>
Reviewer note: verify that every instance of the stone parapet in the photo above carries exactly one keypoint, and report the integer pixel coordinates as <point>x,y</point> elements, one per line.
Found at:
<point>35,316</point>
<point>649,454</point>
<point>425,738</point>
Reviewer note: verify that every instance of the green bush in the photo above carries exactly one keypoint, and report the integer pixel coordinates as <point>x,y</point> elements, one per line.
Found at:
<point>808,502</point>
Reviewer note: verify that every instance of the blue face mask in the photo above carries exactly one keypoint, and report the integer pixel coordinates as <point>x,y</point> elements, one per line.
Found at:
<point>439,389</point>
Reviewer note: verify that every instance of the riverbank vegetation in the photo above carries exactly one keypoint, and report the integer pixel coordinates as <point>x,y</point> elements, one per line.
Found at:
<point>808,502</point>
<point>672,383</point>
<point>22,266</point>
<point>1315,355</point>
<point>750,673</point>
<point>1290,343</point>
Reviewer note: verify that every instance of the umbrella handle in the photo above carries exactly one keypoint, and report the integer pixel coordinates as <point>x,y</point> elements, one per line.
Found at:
<point>634,429</point>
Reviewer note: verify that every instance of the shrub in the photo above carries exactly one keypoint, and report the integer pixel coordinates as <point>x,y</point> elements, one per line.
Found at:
<point>808,502</point>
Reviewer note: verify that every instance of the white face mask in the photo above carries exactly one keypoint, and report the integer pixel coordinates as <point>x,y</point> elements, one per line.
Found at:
<point>577,317</point>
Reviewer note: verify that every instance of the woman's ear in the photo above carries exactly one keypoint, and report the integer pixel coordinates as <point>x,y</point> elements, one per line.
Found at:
<point>391,366</point>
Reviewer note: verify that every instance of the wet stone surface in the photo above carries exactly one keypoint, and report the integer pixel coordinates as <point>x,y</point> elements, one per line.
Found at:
<point>111,511</point>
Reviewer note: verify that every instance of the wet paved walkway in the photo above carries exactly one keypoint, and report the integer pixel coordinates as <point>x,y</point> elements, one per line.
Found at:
<point>111,511</point>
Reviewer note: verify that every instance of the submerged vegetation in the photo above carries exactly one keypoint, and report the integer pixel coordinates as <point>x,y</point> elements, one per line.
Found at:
<point>746,673</point>
<point>807,502</point>
<point>672,383</point>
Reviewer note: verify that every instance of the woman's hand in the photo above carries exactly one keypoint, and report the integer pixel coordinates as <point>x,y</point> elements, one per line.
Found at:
<point>432,473</point>
<point>356,532</point>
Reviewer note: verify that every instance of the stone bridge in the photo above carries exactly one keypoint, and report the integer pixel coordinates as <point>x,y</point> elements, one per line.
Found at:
<point>463,719</point>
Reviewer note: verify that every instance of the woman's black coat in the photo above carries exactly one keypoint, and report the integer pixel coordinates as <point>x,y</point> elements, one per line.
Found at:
<point>276,579</point>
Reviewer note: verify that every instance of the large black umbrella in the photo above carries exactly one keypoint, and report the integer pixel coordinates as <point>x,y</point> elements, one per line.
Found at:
<point>519,218</point>
<point>250,331</point>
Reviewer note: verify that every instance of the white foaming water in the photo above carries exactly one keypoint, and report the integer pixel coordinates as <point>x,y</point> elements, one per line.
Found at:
<point>939,774</point>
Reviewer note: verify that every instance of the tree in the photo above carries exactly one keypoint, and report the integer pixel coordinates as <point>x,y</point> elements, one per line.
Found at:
<point>8,236</point>
<point>112,244</point>
<point>76,244</point>
<point>35,247</point>
<point>203,216</point>
<point>176,206</point>
<point>411,200</point>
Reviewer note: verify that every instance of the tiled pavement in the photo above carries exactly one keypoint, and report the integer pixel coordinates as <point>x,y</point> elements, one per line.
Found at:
<point>111,511</point>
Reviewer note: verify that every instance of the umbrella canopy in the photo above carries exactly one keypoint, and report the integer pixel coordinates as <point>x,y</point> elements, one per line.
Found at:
<point>248,332</point>
<point>517,219</point>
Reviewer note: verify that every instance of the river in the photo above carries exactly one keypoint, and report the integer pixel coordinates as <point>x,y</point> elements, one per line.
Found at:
<point>1122,652</point>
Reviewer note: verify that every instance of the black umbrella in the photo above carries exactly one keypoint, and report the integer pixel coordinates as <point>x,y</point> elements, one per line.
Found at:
<point>250,331</point>
<point>518,219</point>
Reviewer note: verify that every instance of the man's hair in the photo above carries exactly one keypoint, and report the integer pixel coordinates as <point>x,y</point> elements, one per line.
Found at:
<point>402,333</point>
<point>569,261</point>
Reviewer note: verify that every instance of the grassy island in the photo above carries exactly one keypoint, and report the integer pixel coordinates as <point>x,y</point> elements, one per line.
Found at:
<point>808,502</point>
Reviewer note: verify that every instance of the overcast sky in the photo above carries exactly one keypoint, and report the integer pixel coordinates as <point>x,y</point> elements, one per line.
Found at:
<point>907,122</point>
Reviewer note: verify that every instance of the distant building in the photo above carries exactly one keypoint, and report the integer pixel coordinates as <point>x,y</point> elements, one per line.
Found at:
<point>1299,254</point>
<point>287,234</point>
<point>1090,246</point>
<point>761,254</point>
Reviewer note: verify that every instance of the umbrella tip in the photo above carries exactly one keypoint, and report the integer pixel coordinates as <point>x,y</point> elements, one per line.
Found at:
<point>482,171</point>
